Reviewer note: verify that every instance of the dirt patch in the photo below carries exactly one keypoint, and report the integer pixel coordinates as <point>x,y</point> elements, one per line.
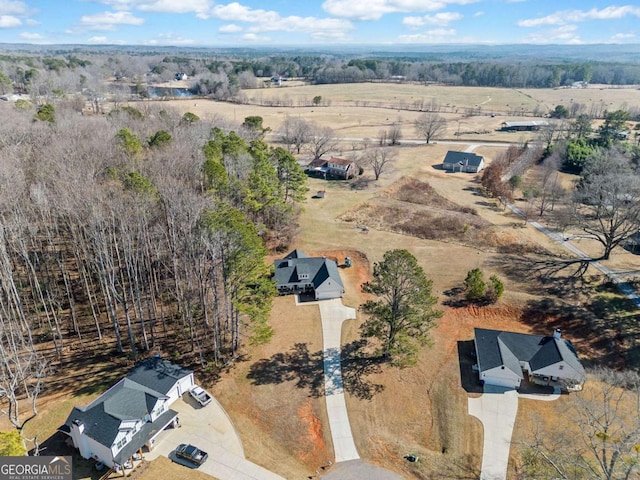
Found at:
<point>313,435</point>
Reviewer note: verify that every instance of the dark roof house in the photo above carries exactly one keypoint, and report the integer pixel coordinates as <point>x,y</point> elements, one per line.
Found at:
<point>504,358</point>
<point>462,162</point>
<point>130,414</point>
<point>298,273</point>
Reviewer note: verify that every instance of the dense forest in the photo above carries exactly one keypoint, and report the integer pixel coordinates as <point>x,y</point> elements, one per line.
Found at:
<point>135,231</point>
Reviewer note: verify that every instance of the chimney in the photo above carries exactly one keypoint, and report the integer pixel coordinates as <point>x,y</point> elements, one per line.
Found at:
<point>79,424</point>
<point>557,333</point>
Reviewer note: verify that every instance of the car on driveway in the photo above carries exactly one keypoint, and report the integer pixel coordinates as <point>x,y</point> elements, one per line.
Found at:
<point>191,453</point>
<point>200,395</point>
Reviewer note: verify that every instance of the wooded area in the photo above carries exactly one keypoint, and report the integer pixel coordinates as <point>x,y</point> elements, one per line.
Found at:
<point>132,232</point>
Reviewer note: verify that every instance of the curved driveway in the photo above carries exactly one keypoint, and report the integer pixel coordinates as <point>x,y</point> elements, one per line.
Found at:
<point>210,429</point>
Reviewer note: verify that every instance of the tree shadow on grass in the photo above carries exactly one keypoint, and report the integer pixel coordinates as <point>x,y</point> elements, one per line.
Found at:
<point>298,365</point>
<point>356,365</point>
<point>306,369</point>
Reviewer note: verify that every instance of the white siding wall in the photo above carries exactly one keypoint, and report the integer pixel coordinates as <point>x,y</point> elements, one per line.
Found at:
<point>180,388</point>
<point>94,449</point>
<point>501,377</point>
<point>555,371</point>
<point>328,289</point>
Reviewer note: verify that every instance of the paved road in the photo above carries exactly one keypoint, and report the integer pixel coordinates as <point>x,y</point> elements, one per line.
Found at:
<point>497,409</point>
<point>210,429</point>
<point>359,470</point>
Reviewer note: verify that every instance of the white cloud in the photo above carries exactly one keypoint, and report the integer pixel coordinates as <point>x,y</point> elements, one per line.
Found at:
<point>199,7</point>
<point>566,34</point>
<point>98,39</point>
<point>31,36</point>
<point>331,37</point>
<point>252,37</point>
<point>231,28</point>
<point>567,16</point>
<point>303,24</point>
<point>169,39</point>
<point>271,21</point>
<point>442,18</point>
<point>240,13</point>
<point>622,36</point>
<point>109,20</point>
<point>430,36</point>
<point>12,7</point>
<point>478,14</point>
<point>9,21</point>
<point>375,9</point>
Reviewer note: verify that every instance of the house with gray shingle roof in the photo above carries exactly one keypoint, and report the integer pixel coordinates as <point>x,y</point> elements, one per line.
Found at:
<point>298,273</point>
<point>129,415</point>
<point>462,162</point>
<point>505,358</point>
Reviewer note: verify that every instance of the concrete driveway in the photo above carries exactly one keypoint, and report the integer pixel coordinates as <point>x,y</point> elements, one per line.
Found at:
<point>334,313</point>
<point>210,429</point>
<point>497,409</point>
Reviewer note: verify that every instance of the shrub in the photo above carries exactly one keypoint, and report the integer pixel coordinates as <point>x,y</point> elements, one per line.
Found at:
<point>474,285</point>
<point>495,289</point>
<point>477,290</point>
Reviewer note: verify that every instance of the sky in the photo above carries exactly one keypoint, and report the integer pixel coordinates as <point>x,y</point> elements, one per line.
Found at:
<point>304,23</point>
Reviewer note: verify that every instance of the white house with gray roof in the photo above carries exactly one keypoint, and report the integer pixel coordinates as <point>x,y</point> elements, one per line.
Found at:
<point>298,273</point>
<point>505,358</point>
<point>462,162</point>
<point>129,415</point>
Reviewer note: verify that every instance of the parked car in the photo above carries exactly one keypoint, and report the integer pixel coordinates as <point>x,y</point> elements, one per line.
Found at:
<point>191,453</point>
<point>200,395</point>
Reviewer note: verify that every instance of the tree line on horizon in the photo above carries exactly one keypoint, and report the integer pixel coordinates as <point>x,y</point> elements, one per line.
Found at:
<point>222,76</point>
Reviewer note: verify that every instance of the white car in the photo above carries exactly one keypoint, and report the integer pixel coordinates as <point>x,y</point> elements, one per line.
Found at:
<point>200,395</point>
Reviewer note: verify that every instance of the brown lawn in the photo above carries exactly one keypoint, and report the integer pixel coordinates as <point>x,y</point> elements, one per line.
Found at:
<point>273,393</point>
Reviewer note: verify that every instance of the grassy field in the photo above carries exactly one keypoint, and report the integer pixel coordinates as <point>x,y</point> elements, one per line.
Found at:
<point>274,393</point>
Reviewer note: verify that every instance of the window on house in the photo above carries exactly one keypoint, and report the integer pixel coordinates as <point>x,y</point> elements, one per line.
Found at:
<point>561,367</point>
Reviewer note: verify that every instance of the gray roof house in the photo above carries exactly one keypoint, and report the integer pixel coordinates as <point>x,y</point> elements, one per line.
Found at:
<point>504,358</point>
<point>462,162</point>
<point>298,273</point>
<point>130,414</point>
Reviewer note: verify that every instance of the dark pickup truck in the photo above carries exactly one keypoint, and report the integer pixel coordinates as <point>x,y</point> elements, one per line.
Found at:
<point>191,453</point>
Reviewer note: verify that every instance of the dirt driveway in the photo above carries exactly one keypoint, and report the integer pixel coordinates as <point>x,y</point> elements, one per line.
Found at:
<point>210,429</point>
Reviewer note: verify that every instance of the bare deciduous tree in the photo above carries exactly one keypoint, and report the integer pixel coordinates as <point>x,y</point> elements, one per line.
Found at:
<point>604,444</point>
<point>609,198</point>
<point>322,141</point>
<point>380,159</point>
<point>296,132</point>
<point>430,126</point>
